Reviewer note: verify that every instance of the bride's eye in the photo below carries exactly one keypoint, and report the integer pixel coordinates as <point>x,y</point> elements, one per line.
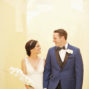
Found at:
<point>37,46</point>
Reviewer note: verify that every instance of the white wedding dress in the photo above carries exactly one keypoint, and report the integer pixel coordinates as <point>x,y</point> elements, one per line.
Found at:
<point>36,75</point>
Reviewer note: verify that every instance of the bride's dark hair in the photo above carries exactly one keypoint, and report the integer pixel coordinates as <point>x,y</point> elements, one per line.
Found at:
<point>30,45</point>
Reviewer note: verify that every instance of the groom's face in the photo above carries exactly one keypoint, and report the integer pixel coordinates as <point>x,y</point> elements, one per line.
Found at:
<point>57,39</point>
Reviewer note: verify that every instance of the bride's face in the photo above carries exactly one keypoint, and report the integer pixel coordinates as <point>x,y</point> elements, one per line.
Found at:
<point>37,48</point>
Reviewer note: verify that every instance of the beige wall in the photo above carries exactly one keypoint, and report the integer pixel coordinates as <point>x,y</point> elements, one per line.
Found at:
<point>14,32</point>
<point>12,40</point>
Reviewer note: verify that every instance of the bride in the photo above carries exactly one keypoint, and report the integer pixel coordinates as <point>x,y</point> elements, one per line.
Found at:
<point>33,65</point>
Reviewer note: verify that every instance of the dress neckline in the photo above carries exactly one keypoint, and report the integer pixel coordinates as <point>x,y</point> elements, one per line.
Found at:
<point>33,67</point>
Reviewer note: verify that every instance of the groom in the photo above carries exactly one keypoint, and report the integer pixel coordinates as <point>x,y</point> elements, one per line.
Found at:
<point>64,66</point>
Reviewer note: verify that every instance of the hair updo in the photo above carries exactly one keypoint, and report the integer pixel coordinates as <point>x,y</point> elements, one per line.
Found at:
<point>30,45</point>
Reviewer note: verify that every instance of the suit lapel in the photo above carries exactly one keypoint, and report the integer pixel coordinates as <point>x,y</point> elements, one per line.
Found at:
<point>65,60</point>
<point>58,58</point>
<point>66,57</point>
<point>62,64</point>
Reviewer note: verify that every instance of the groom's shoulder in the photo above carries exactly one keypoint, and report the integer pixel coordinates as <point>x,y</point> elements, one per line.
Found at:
<point>51,48</point>
<point>74,47</point>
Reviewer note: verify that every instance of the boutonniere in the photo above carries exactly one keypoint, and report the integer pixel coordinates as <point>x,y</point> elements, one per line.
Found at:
<point>69,51</point>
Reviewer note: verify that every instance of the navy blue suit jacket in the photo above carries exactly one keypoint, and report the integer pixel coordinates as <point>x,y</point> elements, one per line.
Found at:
<point>70,77</point>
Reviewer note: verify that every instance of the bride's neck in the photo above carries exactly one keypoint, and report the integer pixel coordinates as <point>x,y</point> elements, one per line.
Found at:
<point>33,56</point>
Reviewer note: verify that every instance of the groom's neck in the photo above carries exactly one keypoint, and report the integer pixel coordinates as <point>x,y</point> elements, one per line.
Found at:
<point>62,44</point>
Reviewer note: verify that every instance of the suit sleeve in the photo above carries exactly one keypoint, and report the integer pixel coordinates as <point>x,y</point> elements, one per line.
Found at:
<point>79,70</point>
<point>47,71</point>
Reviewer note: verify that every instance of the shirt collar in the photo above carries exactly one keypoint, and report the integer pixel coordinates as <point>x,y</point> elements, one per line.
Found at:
<point>66,45</point>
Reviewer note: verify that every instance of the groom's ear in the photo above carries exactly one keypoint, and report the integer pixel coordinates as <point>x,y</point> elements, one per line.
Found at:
<point>63,37</point>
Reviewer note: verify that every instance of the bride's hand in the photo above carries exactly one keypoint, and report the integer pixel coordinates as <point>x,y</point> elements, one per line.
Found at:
<point>27,87</point>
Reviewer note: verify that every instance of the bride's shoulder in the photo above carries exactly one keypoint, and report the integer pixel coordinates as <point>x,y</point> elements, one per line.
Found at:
<point>42,59</point>
<point>23,66</point>
<point>23,60</point>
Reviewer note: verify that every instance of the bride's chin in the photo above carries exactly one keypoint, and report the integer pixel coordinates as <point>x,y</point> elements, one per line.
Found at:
<point>39,52</point>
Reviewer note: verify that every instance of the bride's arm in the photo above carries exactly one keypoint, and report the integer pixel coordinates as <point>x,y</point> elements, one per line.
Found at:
<point>25,72</point>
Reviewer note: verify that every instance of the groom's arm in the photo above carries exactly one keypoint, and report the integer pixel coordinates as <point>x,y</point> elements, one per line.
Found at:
<point>47,71</point>
<point>79,69</point>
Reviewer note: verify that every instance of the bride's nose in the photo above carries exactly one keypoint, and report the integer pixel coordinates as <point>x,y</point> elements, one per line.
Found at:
<point>39,47</point>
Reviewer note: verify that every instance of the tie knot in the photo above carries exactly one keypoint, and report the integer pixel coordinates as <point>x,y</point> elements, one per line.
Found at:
<point>59,48</point>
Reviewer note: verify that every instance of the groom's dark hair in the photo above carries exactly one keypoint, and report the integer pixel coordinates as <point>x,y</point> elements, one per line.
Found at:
<point>61,32</point>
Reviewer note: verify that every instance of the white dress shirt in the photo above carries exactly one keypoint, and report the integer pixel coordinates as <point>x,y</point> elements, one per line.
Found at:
<point>62,52</point>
